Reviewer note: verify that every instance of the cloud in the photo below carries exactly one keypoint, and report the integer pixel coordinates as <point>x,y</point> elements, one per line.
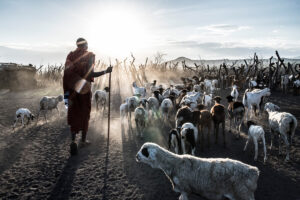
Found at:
<point>223,28</point>
<point>213,50</point>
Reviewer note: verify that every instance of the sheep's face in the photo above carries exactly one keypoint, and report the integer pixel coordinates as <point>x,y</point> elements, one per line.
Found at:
<point>271,107</point>
<point>106,89</point>
<point>60,98</point>
<point>143,102</point>
<point>32,117</point>
<point>132,103</point>
<point>250,123</point>
<point>147,154</point>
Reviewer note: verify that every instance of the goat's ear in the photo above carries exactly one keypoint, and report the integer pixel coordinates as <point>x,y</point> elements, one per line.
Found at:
<point>145,152</point>
<point>277,107</point>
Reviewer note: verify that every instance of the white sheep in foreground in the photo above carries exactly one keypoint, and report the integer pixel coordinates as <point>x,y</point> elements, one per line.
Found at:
<point>189,138</point>
<point>49,103</point>
<point>138,90</point>
<point>23,113</point>
<point>211,178</point>
<point>255,133</point>
<point>101,97</point>
<point>253,100</point>
<point>284,124</point>
<point>234,93</point>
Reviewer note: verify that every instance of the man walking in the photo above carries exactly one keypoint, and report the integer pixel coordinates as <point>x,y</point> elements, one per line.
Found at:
<point>78,75</point>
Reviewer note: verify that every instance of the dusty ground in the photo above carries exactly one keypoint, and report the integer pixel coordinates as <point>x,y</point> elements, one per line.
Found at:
<point>35,161</point>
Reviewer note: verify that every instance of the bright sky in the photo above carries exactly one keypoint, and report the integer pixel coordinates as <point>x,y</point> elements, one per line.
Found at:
<point>114,28</point>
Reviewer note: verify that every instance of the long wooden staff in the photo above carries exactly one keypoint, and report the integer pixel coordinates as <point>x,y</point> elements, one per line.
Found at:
<point>108,120</point>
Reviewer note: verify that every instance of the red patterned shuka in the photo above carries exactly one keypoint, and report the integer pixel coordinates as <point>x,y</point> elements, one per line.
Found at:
<point>77,68</point>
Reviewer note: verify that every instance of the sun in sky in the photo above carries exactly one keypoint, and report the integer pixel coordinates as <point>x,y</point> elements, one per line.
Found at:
<point>116,31</point>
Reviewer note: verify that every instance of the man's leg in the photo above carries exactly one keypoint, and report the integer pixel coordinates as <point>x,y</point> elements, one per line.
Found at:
<point>73,136</point>
<point>84,141</point>
<point>73,145</point>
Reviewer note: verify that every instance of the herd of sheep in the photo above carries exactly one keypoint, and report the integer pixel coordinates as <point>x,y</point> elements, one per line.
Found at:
<point>195,106</point>
<point>189,109</point>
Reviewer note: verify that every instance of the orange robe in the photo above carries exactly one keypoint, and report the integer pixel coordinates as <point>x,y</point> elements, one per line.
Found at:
<point>78,68</point>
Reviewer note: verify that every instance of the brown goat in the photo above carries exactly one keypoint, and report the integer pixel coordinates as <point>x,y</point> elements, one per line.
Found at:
<point>218,117</point>
<point>204,121</point>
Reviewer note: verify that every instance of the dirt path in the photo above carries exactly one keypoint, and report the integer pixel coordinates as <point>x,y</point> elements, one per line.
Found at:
<point>35,161</point>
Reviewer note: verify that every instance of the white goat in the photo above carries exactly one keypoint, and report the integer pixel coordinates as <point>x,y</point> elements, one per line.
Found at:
<point>23,113</point>
<point>253,100</point>
<point>297,83</point>
<point>139,90</point>
<point>252,84</point>
<point>166,108</point>
<point>256,133</point>
<point>207,85</point>
<point>123,111</point>
<point>284,124</point>
<point>49,103</point>
<point>192,98</point>
<point>140,116</point>
<point>132,104</point>
<point>234,93</point>
<point>169,91</point>
<point>153,107</point>
<point>189,138</point>
<point>101,97</point>
<point>207,100</point>
<point>284,83</point>
<point>211,178</point>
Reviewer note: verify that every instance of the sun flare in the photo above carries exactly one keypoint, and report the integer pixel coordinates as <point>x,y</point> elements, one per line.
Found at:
<point>116,31</point>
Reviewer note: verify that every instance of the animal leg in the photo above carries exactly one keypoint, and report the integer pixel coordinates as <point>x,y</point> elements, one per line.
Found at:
<point>45,112</point>
<point>216,133</point>
<point>256,148</point>
<point>230,124</point>
<point>247,110</point>
<point>202,137</point>
<point>28,120</point>
<point>272,138</point>
<point>183,196</point>
<point>193,151</point>
<point>223,131</point>
<point>208,134</point>
<point>287,145</point>
<point>280,145</point>
<point>247,142</point>
<point>22,118</point>
<point>265,150</point>
<point>15,123</point>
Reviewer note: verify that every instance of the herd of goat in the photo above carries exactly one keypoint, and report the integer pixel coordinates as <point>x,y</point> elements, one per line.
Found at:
<point>195,106</point>
<point>192,110</point>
